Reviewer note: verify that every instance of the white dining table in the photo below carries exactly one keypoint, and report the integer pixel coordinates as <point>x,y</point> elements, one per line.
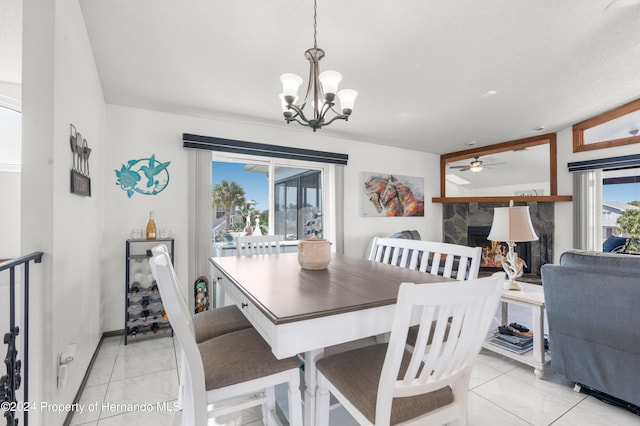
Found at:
<point>300,311</point>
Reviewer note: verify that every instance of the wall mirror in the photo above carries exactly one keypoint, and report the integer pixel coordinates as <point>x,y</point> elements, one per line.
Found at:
<point>617,127</point>
<point>523,170</point>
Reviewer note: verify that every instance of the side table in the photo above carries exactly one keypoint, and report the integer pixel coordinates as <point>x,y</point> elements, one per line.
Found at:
<point>531,296</point>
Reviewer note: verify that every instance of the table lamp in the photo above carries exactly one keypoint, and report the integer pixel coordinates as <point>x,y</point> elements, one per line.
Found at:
<point>512,225</point>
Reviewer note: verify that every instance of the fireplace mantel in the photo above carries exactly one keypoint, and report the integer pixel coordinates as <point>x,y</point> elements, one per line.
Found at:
<point>502,199</point>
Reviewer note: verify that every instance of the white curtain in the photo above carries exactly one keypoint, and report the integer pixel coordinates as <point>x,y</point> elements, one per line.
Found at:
<point>587,210</point>
<point>200,213</point>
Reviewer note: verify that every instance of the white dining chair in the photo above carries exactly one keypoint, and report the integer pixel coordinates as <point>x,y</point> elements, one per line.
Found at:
<point>228,366</point>
<point>257,244</point>
<point>387,384</point>
<point>449,260</point>
<point>212,322</point>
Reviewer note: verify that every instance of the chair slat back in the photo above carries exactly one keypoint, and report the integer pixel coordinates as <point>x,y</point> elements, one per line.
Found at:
<point>445,259</point>
<point>442,359</point>
<point>182,323</point>
<point>257,244</point>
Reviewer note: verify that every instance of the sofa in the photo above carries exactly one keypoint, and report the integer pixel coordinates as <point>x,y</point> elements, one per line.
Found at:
<point>593,308</point>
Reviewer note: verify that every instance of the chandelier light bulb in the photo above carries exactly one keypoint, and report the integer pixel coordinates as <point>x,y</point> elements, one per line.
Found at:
<point>330,81</point>
<point>347,99</point>
<point>290,85</point>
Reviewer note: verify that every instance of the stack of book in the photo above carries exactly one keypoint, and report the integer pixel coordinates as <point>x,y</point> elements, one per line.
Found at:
<point>518,343</point>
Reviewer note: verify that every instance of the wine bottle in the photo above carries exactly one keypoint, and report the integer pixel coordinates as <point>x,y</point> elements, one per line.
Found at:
<point>151,228</point>
<point>135,288</point>
<point>134,331</point>
<point>155,327</point>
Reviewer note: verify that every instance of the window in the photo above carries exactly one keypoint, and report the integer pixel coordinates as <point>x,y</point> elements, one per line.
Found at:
<point>240,198</point>
<point>276,196</point>
<point>322,199</point>
<point>606,198</point>
<point>298,203</point>
<point>612,128</point>
<point>621,204</point>
<point>10,171</point>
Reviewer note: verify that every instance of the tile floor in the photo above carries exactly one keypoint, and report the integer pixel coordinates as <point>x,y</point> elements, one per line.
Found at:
<point>503,392</point>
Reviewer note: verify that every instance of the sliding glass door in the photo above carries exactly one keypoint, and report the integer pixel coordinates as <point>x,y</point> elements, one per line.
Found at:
<point>268,196</point>
<point>298,203</point>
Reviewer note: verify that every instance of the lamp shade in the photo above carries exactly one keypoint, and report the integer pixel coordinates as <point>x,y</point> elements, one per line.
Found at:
<point>347,99</point>
<point>330,81</point>
<point>512,224</point>
<point>290,84</point>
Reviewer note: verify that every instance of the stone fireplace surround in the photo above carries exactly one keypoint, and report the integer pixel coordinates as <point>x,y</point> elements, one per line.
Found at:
<point>457,217</point>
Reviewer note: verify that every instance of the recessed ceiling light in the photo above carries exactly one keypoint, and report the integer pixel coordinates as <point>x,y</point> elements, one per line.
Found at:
<point>538,128</point>
<point>489,93</point>
<point>471,143</point>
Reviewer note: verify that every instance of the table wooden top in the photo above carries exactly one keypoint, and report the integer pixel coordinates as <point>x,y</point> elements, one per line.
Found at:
<point>284,292</point>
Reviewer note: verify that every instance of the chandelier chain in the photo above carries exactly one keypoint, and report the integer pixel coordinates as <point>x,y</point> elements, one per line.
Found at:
<point>315,24</point>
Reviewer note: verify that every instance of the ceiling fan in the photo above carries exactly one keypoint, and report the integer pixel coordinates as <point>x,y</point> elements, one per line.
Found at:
<point>475,165</point>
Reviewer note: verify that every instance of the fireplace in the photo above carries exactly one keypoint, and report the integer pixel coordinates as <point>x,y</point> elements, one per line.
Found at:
<point>492,251</point>
<point>459,218</point>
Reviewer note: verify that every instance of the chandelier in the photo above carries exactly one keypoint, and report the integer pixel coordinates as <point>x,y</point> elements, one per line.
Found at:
<point>321,91</point>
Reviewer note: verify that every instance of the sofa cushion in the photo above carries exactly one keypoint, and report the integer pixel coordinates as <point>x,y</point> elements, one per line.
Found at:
<point>614,244</point>
<point>611,262</point>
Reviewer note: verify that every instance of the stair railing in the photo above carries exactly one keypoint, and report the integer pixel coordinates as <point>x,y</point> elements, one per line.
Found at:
<point>17,371</point>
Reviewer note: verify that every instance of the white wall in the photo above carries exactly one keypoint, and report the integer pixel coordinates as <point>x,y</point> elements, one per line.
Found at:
<point>135,133</point>
<point>375,158</point>
<point>564,211</point>
<point>60,86</point>
<point>10,146</point>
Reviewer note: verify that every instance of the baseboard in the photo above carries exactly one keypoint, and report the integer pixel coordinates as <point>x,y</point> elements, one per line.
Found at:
<point>113,333</point>
<point>76,399</point>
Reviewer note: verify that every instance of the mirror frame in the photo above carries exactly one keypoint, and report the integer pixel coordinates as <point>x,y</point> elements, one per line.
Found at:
<point>580,128</point>
<point>549,138</point>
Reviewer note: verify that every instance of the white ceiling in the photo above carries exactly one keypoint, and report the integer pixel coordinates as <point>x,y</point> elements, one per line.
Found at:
<point>422,68</point>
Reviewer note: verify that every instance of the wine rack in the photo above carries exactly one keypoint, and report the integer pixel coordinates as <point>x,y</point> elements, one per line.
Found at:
<point>144,316</point>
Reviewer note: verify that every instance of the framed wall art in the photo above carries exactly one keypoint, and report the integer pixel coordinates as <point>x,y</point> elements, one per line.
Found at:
<point>392,195</point>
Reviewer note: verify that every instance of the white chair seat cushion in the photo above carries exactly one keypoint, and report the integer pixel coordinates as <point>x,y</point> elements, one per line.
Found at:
<point>356,375</point>
<point>218,321</point>
<point>239,357</point>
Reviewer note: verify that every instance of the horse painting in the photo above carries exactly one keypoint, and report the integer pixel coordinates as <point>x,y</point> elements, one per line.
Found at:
<point>393,196</point>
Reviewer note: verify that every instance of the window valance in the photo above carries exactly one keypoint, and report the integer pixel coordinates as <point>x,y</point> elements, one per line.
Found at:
<point>606,163</point>
<point>253,148</point>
